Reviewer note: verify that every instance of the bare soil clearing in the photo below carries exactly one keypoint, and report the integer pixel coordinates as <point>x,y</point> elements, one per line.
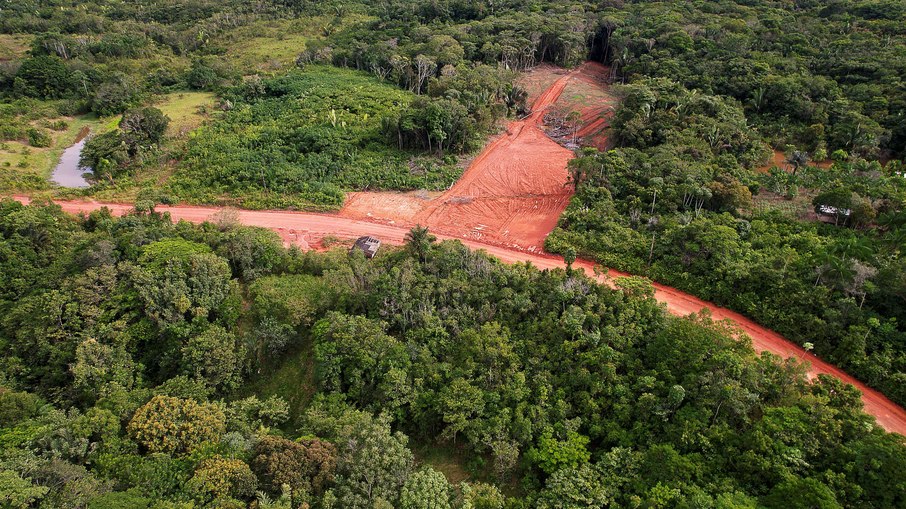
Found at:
<point>307,230</point>
<point>779,160</point>
<point>386,206</point>
<point>515,190</point>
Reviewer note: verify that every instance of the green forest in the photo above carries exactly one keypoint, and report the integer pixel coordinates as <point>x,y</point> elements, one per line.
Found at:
<point>755,159</point>
<point>153,364</point>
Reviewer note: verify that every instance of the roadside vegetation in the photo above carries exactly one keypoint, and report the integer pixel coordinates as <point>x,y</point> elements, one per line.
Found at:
<point>147,364</point>
<point>153,364</point>
<point>813,252</point>
<point>298,140</point>
<point>341,131</point>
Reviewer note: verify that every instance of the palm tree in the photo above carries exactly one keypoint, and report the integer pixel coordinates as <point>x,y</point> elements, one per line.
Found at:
<point>758,98</point>
<point>892,220</point>
<point>418,242</point>
<point>833,269</point>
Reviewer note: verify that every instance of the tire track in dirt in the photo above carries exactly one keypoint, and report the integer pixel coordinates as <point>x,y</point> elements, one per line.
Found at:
<point>514,192</point>
<point>307,230</point>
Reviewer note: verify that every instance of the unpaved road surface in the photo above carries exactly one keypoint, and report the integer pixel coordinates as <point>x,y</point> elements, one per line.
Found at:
<point>513,192</point>
<point>306,230</point>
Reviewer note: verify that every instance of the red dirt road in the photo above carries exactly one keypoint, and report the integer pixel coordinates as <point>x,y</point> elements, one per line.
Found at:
<point>307,230</point>
<point>514,192</point>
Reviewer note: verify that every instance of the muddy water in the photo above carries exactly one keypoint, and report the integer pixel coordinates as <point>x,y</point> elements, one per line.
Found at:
<point>68,173</point>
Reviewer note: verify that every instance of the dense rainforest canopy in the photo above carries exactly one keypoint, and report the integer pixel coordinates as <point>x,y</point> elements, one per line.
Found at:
<point>150,364</point>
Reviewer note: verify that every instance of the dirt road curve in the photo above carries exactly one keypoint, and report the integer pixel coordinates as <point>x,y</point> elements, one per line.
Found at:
<point>306,230</point>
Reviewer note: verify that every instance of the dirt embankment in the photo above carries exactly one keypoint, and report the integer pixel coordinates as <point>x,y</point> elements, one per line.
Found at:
<point>588,95</point>
<point>307,230</point>
<point>514,191</point>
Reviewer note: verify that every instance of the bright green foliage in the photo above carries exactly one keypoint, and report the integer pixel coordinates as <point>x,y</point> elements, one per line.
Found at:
<point>552,454</point>
<point>157,255</point>
<point>18,493</point>
<point>584,394</point>
<point>178,281</point>
<point>43,76</point>
<point>120,500</point>
<point>39,138</point>
<point>97,364</point>
<point>215,356</point>
<point>356,357</point>
<point>575,488</point>
<point>814,283</point>
<point>17,406</point>
<point>252,252</point>
<point>106,154</point>
<point>801,494</point>
<point>295,300</point>
<point>481,496</point>
<point>460,403</point>
<point>426,489</point>
<point>311,134</point>
<point>375,465</point>
<point>251,414</point>
<point>176,426</point>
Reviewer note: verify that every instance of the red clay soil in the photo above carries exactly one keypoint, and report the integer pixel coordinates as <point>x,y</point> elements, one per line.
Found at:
<point>778,159</point>
<point>587,93</point>
<point>515,190</point>
<point>307,230</point>
<point>386,207</point>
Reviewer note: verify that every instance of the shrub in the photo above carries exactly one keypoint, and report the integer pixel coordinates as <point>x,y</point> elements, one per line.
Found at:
<point>39,138</point>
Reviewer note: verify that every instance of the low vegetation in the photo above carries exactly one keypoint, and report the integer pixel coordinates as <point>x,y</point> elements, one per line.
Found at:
<point>298,140</point>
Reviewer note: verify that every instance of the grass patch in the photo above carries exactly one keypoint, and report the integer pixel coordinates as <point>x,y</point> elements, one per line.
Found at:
<point>311,135</point>
<point>14,46</point>
<point>444,458</point>
<point>272,44</point>
<point>268,53</point>
<point>187,111</point>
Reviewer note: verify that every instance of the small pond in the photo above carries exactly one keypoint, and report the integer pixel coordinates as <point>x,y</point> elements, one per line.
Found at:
<point>68,173</point>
